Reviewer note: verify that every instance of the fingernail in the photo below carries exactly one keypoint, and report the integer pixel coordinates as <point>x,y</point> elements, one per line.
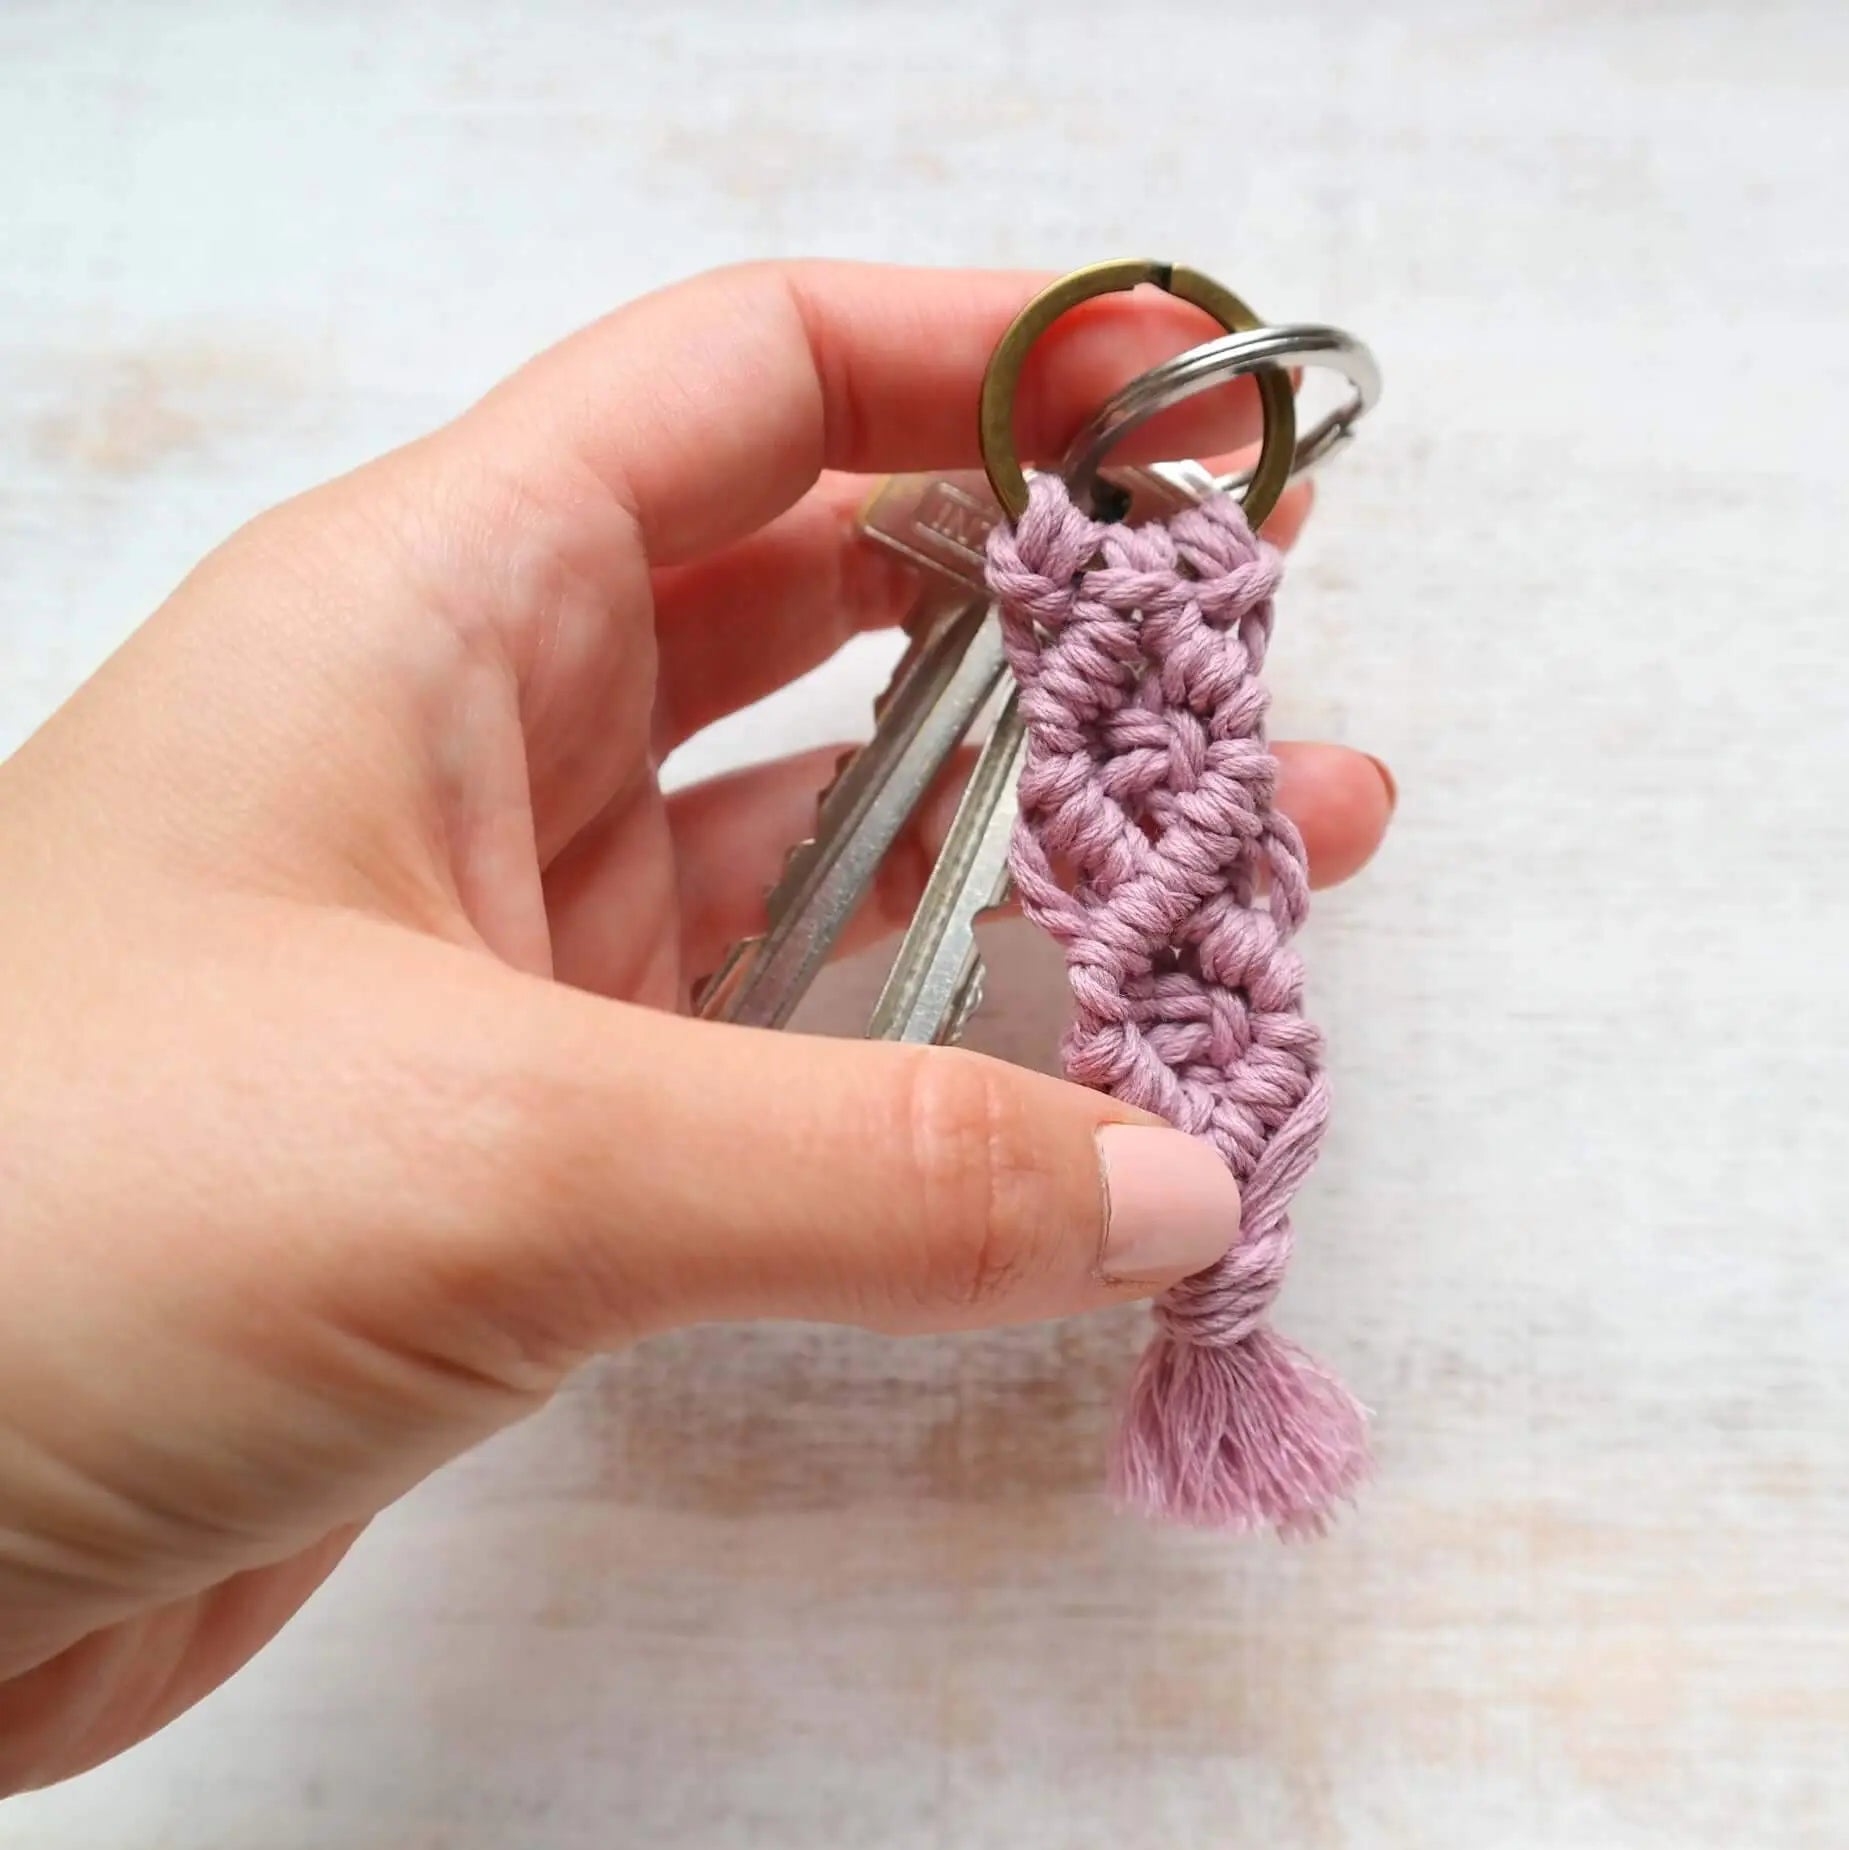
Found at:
<point>1386,777</point>
<point>1171,1206</point>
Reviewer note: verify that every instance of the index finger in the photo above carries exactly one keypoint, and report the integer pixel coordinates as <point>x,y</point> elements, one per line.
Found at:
<point>711,406</point>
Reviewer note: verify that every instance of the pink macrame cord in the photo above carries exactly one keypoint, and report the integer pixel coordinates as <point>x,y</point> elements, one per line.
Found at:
<point>1148,816</point>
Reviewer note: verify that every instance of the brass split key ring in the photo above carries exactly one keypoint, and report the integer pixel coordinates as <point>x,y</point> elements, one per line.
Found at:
<point>1003,377</point>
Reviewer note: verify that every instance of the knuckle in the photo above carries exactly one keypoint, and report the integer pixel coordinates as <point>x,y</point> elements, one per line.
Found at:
<point>985,1230</point>
<point>845,422</point>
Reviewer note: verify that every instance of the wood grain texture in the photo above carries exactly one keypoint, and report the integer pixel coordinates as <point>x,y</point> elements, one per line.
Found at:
<point>1578,1236</point>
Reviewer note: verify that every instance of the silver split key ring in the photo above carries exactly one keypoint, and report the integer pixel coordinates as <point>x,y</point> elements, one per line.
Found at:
<point>1217,362</point>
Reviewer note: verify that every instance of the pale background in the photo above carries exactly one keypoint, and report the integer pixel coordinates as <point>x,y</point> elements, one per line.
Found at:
<point>1579,1233</point>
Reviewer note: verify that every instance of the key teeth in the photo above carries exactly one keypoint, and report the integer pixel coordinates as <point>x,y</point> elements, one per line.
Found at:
<point>704,988</point>
<point>975,991</point>
<point>918,631</point>
<point>799,854</point>
<point>884,698</point>
<point>968,1001</point>
<point>881,701</point>
<point>928,623</point>
<point>795,861</point>
<point>740,951</point>
<point>842,766</point>
<point>795,858</point>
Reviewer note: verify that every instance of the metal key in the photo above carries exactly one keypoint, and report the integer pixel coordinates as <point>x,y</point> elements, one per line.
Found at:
<point>944,682</point>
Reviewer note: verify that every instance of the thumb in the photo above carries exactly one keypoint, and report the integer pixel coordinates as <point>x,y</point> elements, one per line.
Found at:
<point>690,1171</point>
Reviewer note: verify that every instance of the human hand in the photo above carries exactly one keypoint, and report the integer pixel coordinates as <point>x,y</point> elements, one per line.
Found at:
<point>344,1101</point>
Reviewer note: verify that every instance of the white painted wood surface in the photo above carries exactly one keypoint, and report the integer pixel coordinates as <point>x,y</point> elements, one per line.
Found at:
<point>1580,1234</point>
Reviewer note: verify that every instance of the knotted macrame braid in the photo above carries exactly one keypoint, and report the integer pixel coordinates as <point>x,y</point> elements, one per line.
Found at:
<point>1148,817</point>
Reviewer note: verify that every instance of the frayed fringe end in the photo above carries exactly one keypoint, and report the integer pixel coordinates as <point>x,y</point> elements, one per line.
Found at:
<point>1254,1436</point>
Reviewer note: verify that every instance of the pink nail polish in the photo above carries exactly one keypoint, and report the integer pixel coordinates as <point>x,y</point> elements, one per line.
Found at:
<point>1171,1204</point>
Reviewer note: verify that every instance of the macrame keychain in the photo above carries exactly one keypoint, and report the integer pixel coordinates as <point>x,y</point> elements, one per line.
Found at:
<point>1150,846</point>
<point>1127,790</point>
